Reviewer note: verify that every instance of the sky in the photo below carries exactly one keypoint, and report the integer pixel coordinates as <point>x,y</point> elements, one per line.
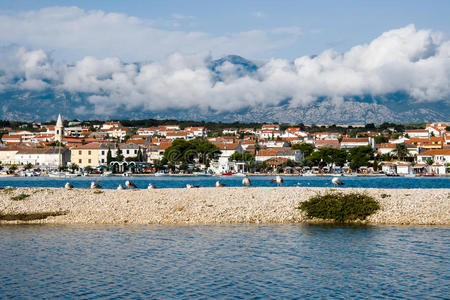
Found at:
<point>305,49</point>
<point>314,25</point>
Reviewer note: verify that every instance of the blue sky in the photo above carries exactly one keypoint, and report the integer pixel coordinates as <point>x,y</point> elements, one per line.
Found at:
<point>321,24</point>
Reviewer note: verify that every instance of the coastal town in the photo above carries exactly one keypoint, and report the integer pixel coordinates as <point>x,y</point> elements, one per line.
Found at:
<point>78,148</point>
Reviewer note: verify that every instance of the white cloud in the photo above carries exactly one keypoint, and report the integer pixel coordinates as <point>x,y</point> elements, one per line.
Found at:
<point>258,14</point>
<point>413,61</point>
<point>74,33</point>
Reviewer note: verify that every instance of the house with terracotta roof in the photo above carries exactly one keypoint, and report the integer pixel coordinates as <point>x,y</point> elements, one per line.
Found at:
<point>43,157</point>
<point>386,148</point>
<point>271,127</point>
<point>274,144</point>
<point>436,129</point>
<point>433,142</point>
<point>85,155</point>
<point>222,164</point>
<point>11,138</point>
<point>75,131</point>
<point>327,143</point>
<point>348,143</point>
<point>196,132</point>
<point>111,124</point>
<point>265,154</point>
<point>437,155</point>
<point>119,132</point>
<point>8,155</point>
<point>268,134</point>
<point>440,158</point>
<point>327,135</point>
<point>177,135</point>
<point>147,131</point>
<point>417,133</point>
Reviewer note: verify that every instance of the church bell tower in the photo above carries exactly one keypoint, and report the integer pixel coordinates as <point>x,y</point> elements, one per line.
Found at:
<point>59,129</point>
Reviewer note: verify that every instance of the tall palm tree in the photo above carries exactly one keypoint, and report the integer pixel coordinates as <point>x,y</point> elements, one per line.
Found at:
<point>401,151</point>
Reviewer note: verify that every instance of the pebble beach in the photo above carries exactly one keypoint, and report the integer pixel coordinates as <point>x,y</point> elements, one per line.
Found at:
<point>209,206</point>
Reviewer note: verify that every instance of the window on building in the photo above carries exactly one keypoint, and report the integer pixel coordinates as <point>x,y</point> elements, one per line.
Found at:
<point>128,151</point>
<point>103,152</point>
<point>89,152</point>
<point>79,161</point>
<point>135,151</point>
<point>103,160</point>
<point>79,152</point>
<point>89,161</point>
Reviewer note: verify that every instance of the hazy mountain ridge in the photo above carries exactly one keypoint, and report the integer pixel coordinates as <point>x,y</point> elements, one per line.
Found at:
<point>398,107</point>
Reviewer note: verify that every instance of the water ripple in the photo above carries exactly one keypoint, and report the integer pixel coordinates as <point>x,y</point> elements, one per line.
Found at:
<point>279,261</point>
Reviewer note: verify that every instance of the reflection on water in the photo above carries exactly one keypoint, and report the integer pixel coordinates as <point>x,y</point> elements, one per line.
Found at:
<point>285,261</point>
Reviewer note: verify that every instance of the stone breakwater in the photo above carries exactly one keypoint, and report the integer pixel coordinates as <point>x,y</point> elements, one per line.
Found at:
<point>207,206</point>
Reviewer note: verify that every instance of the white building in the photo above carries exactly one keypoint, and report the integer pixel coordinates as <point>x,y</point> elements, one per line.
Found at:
<point>348,143</point>
<point>41,157</point>
<point>223,164</point>
<point>417,133</point>
<point>287,153</point>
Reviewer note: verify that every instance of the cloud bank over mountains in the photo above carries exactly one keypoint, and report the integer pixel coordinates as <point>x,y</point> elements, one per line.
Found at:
<point>408,60</point>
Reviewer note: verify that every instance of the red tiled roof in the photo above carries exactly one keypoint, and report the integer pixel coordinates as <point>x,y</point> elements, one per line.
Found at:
<point>355,140</point>
<point>432,152</point>
<point>386,145</point>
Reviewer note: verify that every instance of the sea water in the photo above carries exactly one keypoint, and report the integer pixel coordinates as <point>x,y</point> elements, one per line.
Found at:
<point>230,261</point>
<point>232,181</point>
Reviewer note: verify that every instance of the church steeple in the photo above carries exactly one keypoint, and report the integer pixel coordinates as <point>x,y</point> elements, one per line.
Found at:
<point>59,129</point>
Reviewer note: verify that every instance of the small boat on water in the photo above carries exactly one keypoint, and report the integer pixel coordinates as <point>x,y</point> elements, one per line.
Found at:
<point>162,174</point>
<point>107,174</point>
<point>61,175</point>
<point>392,174</point>
<point>239,175</point>
<point>350,175</point>
<point>201,174</point>
<point>309,174</point>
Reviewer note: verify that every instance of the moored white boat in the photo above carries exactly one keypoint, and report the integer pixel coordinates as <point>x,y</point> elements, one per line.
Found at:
<point>162,174</point>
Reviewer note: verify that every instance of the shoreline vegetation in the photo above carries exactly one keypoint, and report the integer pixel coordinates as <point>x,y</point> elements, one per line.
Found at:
<point>242,205</point>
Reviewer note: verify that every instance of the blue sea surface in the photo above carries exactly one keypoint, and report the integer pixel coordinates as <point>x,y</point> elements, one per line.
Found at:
<point>229,261</point>
<point>232,181</point>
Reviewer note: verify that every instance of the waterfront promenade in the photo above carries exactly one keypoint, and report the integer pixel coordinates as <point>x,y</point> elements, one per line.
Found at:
<point>262,205</point>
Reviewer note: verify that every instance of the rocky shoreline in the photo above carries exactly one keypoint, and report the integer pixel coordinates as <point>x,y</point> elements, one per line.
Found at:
<point>208,206</point>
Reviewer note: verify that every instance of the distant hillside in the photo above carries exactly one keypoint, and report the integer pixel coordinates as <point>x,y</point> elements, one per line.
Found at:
<point>396,107</point>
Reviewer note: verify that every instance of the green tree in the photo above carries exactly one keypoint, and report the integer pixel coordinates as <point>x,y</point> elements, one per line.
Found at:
<point>109,156</point>
<point>380,139</point>
<point>28,166</point>
<point>360,156</point>
<point>74,166</point>
<point>119,156</point>
<point>182,151</point>
<point>307,149</point>
<point>430,161</point>
<point>326,156</point>
<point>140,156</point>
<point>401,151</point>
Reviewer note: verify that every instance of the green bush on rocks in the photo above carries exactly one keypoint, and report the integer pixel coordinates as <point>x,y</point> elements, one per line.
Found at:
<point>340,207</point>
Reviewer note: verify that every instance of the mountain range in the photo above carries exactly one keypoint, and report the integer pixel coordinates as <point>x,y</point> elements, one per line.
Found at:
<point>28,105</point>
